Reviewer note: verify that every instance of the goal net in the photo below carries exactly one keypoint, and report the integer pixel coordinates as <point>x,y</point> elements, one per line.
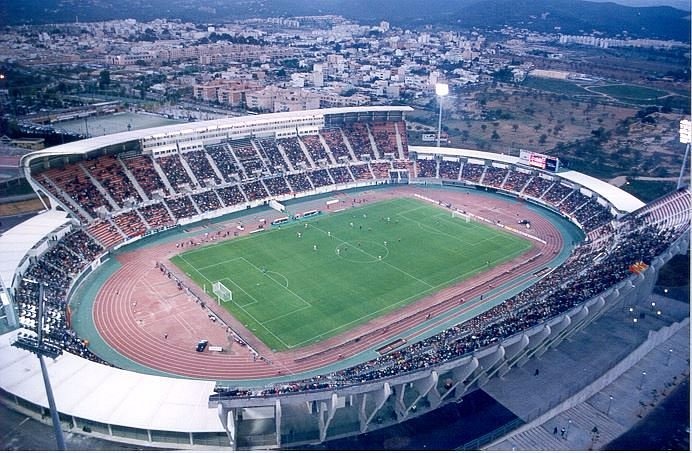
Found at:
<point>461,215</point>
<point>277,206</point>
<point>224,294</point>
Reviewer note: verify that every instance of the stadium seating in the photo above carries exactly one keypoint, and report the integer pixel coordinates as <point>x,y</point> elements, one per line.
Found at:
<point>248,159</point>
<point>340,175</point>
<point>472,172</point>
<point>316,150</point>
<point>361,172</point>
<point>358,136</point>
<point>224,160</point>
<point>426,168</point>
<point>198,162</point>
<point>270,167</point>
<point>73,183</point>
<point>335,141</point>
<point>294,152</point>
<point>557,193</point>
<point>130,223</point>
<point>231,195</point>
<point>494,176</point>
<point>142,169</point>
<point>272,153</point>
<point>320,178</point>
<point>277,186</point>
<point>449,169</point>
<point>516,181</point>
<point>108,171</point>
<point>156,216</point>
<point>537,186</point>
<point>254,190</point>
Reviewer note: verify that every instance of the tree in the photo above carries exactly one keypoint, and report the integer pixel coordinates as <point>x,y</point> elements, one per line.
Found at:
<point>104,79</point>
<point>495,136</point>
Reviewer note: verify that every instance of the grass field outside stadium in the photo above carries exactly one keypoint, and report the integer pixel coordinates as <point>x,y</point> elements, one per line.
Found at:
<point>309,280</point>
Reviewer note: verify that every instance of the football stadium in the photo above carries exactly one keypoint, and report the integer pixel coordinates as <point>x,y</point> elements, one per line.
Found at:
<point>286,279</point>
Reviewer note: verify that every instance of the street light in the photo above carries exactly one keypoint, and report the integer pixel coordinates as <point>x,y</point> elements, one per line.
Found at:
<point>685,138</point>
<point>610,402</point>
<point>441,90</point>
<point>670,353</point>
<point>38,347</point>
<point>641,384</point>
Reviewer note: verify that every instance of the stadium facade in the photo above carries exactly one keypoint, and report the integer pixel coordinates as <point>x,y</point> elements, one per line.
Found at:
<point>109,191</point>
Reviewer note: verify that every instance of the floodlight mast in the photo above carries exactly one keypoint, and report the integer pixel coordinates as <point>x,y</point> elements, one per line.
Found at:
<point>441,90</point>
<point>41,349</point>
<point>686,138</point>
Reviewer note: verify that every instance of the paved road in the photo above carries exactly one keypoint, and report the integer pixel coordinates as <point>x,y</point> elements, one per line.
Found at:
<point>19,432</point>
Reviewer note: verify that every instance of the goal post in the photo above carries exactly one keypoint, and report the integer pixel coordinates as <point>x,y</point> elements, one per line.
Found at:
<point>224,294</point>
<point>461,215</point>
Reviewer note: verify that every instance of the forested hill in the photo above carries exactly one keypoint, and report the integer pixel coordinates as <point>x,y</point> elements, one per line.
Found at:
<point>565,16</point>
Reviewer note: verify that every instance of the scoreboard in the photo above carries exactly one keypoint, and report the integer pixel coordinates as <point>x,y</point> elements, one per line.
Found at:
<point>538,160</point>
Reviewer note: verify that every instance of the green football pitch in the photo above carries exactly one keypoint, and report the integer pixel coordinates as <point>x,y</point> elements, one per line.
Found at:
<point>312,279</point>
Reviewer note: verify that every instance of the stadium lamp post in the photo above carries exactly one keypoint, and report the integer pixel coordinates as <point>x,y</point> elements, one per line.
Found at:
<point>38,347</point>
<point>641,383</point>
<point>441,90</point>
<point>610,403</point>
<point>685,138</point>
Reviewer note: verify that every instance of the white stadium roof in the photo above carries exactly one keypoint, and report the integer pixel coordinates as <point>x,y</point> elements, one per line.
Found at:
<point>92,391</point>
<point>90,144</point>
<point>17,241</point>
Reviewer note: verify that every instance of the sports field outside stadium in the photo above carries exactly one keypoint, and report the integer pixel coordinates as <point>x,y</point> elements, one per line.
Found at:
<point>295,285</point>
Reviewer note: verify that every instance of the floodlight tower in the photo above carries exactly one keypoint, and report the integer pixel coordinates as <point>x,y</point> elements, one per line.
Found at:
<point>686,138</point>
<point>38,347</point>
<point>441,90</point>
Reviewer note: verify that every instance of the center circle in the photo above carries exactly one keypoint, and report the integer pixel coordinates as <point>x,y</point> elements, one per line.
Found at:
<point>362,251</point>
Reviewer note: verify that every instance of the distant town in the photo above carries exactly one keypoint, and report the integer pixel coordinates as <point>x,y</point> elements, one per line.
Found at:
<point>504,83</point>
